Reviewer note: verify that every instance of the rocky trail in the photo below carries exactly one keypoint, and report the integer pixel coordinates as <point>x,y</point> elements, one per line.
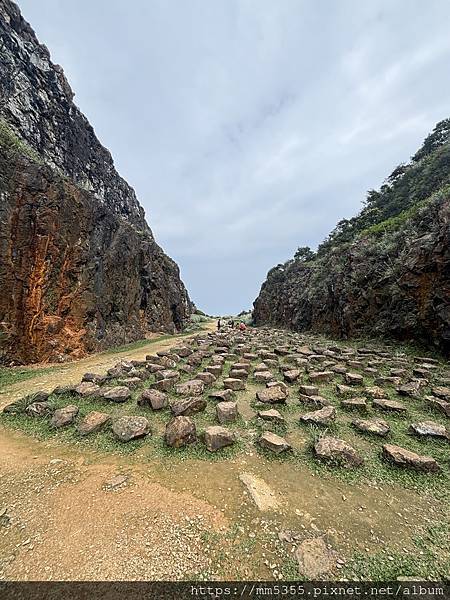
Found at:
<point>263,454</point>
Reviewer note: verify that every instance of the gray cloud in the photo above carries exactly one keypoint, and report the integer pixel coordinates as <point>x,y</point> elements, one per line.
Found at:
<point>251,127</point>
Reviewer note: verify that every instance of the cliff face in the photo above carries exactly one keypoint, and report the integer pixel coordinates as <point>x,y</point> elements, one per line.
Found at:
<point>391,278</point>
<point>79,267</point>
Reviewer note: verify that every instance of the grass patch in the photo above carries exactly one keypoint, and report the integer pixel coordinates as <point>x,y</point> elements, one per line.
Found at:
<point>11,375</point>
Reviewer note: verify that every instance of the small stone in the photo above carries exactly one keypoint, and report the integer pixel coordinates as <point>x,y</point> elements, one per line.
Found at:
<point>354,403</point>
<point>375,426</point>
<point>227,412</point>
<point>309,390</point>
<point>272,395</point>
<point>271,415</point>
<point>38,409</point>
<point>153,398</point>
<point>64,416</point>
<point>292,375</point>
<point>188,406</point>
<point>336,450</point>
<point>217,437</point>
<point>321,376</point>
<point>429,429</point>
<point>119,393</point>
<point>180,431</point>
<point>388,405</point>
<point>131,428</point>
<point>275,443</point>
<point>406,458</point>
<point>206,377</point>
<point>233,384</point>
<point>86,389</point>
<point>353,379</point>
<point>92,422</point>
<point>222,395</point>
<point>193,387</point>
<point>324,416</point>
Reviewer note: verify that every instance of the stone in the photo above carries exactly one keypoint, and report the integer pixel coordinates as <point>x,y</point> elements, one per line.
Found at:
<point>180,431</point>
<point>193,387</point>
<point>92,422</point>
<point>215,370</point>
<point>314,558</point>
<point>167,374</point>
<point>238,374</point>
<point>321,376</point>
<point>64,416</point>
<point>388,405</point>
<point>354,403</point>
<point>344,390</point>
<point>129,382</point>
<point>87,388</point>
<point>375,426</point>
<point>353,379</point>
<point>130,428</point>
<point>429,429</point>
<point>93,378</point>
<point>206,377</point>
<point>406,458</point>
<point>271,415</point>
<point>409,389</point>
<point>279,384</point>
<point>315,400</point>
<point>292,375</point>
<point>336,450</point>
<point>222,395</point>
<point>116,394</point>
<point>375,391</point>
<point>272,395</point>
<point>305,350</point>
<point>182,351</point>
<point>226,412</point>
<point>153,398</point>
<point>37,409</point>
<point>275,443</point>
<point>163,385</point>
<point>441,405</point>
<point>233,384</point>
<point>263,376</point>
<point>324,416</point>
<point>64,390</point>
<point>309,390</point>
<point>217,437</point>
<point>261,494</point>
<point>441,392</point>
<point>188,406</point>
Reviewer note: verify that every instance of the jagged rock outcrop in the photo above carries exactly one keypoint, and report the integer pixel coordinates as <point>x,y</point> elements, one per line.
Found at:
<point>377,276</point>
<point>80,270</point>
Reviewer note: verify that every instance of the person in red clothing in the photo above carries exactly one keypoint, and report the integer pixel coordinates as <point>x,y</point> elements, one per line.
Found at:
<point>242,327</point>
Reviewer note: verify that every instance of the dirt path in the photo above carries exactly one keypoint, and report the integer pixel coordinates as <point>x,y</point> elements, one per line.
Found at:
<point>71,373</point>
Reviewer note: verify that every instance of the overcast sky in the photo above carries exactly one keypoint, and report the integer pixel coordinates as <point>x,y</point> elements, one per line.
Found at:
<point>250,127</point>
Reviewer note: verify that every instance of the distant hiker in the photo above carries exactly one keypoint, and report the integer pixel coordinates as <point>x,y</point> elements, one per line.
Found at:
<point>219,325</point>
<point>242,327</point>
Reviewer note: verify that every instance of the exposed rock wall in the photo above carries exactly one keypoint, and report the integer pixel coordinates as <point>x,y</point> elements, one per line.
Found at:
<point>79,267</point>
<point>393,284</point>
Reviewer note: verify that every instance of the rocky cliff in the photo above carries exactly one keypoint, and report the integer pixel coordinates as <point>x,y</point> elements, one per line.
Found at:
<point>386,272</point>
<point>79,267</point>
